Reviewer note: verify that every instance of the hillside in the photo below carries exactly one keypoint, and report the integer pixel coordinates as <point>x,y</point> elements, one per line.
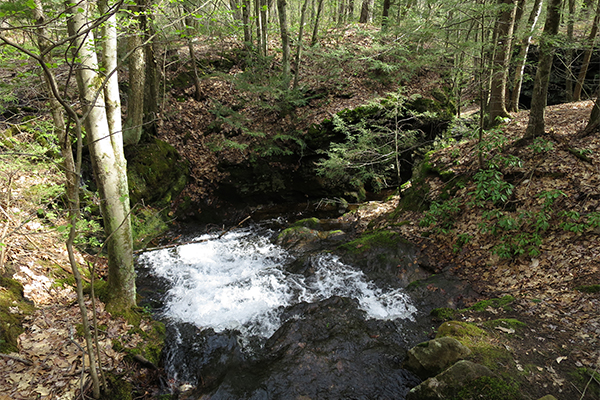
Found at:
<point>552,273</point>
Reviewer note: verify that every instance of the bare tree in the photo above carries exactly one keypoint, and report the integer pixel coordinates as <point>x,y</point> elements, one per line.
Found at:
<point>536,125</point>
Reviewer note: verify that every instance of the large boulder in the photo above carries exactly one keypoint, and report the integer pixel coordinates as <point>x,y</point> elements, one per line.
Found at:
<point>447,384</point>
<point>155,172</point>
<point>430,358</point>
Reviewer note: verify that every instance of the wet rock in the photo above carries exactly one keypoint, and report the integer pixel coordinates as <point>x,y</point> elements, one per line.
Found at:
<point>449,382</point>
<point>201,357</point>
<point>326,350</point>
<point>430,358</point>
<point>310,234</point>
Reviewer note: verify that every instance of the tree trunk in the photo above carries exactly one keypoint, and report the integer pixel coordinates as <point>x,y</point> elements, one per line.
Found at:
<point>108,161</point>
<point>264,17</point>
<point>190,43</point>
<point>536,125</point>
<point>285,43</point>
<point>315,33</point>
<point>235,10</point>
<point>570,52</point>
<point>594,121</point>
<point>587,56</point>
<point>134,123</point>
<point>385,15</point>
<point>522,57</point>
<point>504,35</point>
<point>299,50</point>
<point>246,23</point>
<point>366,12</point>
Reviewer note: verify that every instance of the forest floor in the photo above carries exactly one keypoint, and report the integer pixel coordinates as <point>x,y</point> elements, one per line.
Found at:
<point>556,352</point>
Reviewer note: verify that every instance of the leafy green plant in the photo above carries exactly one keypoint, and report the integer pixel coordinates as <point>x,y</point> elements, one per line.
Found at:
<point>491,187</point>
<point>441,216</point>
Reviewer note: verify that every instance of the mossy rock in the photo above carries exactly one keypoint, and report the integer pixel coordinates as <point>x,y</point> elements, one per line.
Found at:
<point>156,173</point>
<point>460,330</point>
<point>13,310</point>
<point>374,239</point>
<point>311,223</point>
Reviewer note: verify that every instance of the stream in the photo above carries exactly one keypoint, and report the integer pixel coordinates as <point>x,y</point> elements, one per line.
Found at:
<point>245,322</point>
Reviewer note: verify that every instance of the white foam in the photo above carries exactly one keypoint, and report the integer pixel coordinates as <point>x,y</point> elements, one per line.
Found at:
<point>238,282</point>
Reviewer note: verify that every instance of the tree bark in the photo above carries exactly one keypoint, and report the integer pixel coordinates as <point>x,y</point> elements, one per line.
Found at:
<point>587,56</point>
<point>136,63</point>
<point>108,161</point>
<point>315,33</point>
<point>246,23</point>
<point>385,15</point>
<point>366,12</point>
<point>522,57</point>
<point>594,121</point>
<point>570,51</point>
<point>285,43</point>
<point>504,35</point>
<point>299,50</point>
<point>536,125</point>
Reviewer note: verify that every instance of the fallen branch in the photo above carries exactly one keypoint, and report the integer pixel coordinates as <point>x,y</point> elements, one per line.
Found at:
<point>16,358</point>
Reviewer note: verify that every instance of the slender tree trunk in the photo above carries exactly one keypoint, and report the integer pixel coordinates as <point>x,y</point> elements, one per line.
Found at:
<point>264,17</point>
<point>246,23</point>
<point>501,58</point>
<point>285,42</point>
<point>136,63</point>
<point>315,33</point>
<point>299,50</point>
<point>536,125</point>
<point>350,12</point>
<point>152,74</point>
<point>587,56</point>
<point>570,52</point>
<point>106,149</point>
<point>385,15</point>
<point>234,5</point>
<point>190,43</point>
<point>522,57</point>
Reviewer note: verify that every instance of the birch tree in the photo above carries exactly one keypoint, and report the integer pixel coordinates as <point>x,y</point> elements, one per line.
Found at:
<point>105,141</point>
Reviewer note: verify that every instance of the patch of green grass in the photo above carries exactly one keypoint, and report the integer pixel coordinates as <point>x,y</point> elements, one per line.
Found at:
<point>588,289</point>
<point>493,303</point>
<point>508,323</point>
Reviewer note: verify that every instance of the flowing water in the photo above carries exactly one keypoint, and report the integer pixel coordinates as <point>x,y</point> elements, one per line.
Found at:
<point>242,282</point>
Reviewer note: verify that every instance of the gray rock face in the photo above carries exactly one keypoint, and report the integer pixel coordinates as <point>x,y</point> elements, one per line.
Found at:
<point>446,384</point>
<point>433,357</point>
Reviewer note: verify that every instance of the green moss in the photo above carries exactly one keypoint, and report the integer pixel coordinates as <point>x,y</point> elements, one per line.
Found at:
<point>587,378</point>
<point>118,388</point>
<point>153,339</point>
<point>489,388</point>
<point>589,289</point>
<point>443,313</point>
<point>493,303</point>
<point>415,284</point>
<point>13,310</point>
<point>147,224</point>
<point>461,330</point>
<point>509,323</point>
<point>311,223</point>
<point>375,239</point>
